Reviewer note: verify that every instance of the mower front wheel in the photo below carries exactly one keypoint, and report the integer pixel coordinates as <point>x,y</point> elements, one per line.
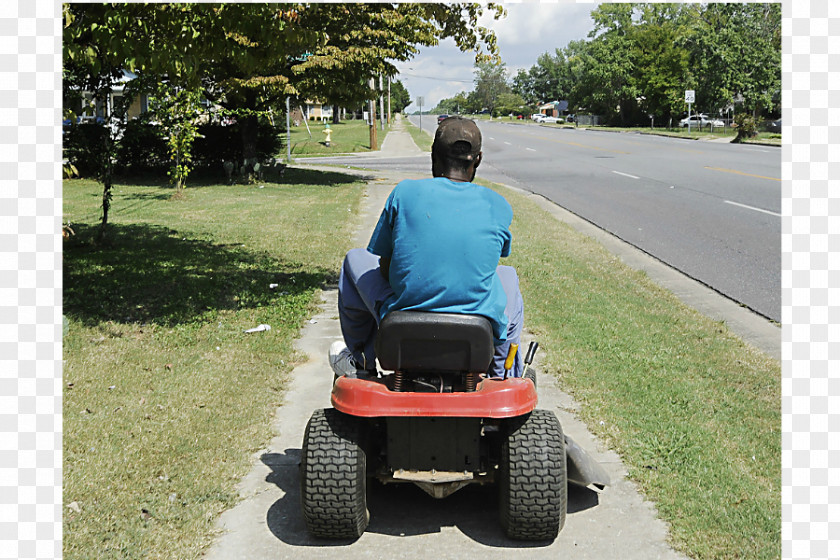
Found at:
<point>332,476</point>
<point>533,485</point>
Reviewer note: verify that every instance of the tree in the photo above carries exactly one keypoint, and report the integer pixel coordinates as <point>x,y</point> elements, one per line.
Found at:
<point>662,65</point>
<point>610,74</point>
<point>455,105</point>
<point>101,43</point>
<point>507,103</point>
<point>365,39</point>
<point>490,82</point>
<point>736,49</point>
<point>400,98</point>
<point>249,57</point>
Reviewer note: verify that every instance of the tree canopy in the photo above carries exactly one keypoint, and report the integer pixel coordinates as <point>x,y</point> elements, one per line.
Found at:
<point>400,98</point>
<point>641,57</point>
<point>248,57</point>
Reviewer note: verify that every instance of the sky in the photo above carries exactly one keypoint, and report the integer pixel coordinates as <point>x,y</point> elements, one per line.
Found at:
<point>529,30</point>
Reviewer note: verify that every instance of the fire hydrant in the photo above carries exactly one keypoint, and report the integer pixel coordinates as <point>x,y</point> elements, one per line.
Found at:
<point>328,132</point>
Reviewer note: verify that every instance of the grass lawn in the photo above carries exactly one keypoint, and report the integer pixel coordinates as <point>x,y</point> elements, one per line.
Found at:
<point>694,413</point>
<point>347,137</point>
<point>705,134</point>
<point>422,139</point>
<point>166,399</point>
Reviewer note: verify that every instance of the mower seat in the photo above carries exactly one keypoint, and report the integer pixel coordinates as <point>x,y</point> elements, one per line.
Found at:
<point>419,341</point>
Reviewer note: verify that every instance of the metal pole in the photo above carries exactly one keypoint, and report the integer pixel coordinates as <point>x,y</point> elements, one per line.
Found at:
<point>389,99</point>
<point>689,118</point>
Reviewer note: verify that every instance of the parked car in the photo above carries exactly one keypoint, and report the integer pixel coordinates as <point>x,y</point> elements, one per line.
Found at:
<point>536,116</point>
<point>441,118</point>
<point>775,126</point>
<point>700,120</point>
<point>545,119</point>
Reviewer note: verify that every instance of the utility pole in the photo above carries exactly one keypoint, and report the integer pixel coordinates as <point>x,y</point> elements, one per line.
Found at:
<point>389,99</point>
<point>420,104</point>
<point>372,105</point>
<point>381,108</point>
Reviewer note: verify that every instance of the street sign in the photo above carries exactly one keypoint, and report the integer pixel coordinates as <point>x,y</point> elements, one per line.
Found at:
<point>420,101</point>
<point>689,96</point>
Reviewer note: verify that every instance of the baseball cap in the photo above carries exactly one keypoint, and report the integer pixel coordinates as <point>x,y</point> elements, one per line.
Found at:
<point>458,138</point>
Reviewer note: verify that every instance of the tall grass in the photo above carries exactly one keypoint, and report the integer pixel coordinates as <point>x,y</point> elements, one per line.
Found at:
<point>693,411</point>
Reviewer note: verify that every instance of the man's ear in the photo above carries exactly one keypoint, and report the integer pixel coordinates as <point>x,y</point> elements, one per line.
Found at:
<point>477,160</point>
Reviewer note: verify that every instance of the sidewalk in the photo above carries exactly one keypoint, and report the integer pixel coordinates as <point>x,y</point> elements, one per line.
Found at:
<point>405,522</point>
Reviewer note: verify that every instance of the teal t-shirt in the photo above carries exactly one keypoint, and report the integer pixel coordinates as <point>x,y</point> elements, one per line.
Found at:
<point>444,239</point>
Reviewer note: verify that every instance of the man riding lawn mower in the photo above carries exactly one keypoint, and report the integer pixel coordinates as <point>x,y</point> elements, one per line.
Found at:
<point>454,405</point>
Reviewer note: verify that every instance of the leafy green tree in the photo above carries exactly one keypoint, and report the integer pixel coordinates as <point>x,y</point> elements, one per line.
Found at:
<point>453,105</point>
<point>400,98</point>
<point>101,41</point>
<point>507,103</point>
<point>662,65</point>
<point>490,82</point>
<point>736,49</point>
<point>365,39</point>
<point>178,110</point>
<point>610,74</point>
<point>250,57</point>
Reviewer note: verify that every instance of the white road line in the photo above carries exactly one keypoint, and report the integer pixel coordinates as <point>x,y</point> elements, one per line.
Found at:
<point>625,174</point>
<point>531,149</point>
<point>753,208</point>
<point>491,138</point>
<point>508,144</point>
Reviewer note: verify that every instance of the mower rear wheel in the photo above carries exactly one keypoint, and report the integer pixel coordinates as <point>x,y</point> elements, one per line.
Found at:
<point>533,486</point>
<point>332,476</point>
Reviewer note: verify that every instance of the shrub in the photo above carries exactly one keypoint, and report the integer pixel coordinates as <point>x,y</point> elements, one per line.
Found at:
<point>747,127</point>
<point>142,147</point>
<point>83,144</point>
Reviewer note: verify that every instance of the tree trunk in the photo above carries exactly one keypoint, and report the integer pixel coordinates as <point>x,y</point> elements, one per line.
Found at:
<point>336,116</point>
<point>107,182</point>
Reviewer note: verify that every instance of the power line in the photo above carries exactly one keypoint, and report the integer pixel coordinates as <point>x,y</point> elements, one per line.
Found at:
<point>436,78</point>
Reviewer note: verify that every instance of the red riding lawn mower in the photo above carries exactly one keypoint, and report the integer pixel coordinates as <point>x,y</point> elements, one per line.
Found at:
<point>437,422</point>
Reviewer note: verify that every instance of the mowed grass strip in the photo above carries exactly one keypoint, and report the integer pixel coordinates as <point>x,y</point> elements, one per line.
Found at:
<point>421,138</point>
<point>693,411</point>
<point>348,136</point>
<point>166,399</point>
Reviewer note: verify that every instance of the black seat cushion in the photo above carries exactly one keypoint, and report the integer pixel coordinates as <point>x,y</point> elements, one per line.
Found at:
<point>421,341</point>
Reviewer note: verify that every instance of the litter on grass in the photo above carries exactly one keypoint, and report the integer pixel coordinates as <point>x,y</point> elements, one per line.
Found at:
<point>259,328</point>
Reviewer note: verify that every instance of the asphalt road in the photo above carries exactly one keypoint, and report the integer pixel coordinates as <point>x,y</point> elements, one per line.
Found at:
<point>710,210</point>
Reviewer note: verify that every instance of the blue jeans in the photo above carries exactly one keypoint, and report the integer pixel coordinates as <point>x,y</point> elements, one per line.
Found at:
<point>362,290</point>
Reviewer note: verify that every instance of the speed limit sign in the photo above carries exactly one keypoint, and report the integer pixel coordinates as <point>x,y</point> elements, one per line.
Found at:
<point>689,96</point>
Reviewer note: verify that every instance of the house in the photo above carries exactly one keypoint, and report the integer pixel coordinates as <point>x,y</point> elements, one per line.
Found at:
<point>554,108</point>
<point>87,109</point>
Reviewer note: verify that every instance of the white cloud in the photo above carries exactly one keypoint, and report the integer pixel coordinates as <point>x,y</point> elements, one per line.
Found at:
<point>529,30</point>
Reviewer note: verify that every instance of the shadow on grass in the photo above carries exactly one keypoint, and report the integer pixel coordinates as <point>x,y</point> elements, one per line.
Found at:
<point>151,274</point>
<point>202,178</point>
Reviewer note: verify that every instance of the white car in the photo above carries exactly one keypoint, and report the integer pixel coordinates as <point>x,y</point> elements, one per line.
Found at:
<point>536,116</point>
<point>544,119</point>
<point>700,121</point>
